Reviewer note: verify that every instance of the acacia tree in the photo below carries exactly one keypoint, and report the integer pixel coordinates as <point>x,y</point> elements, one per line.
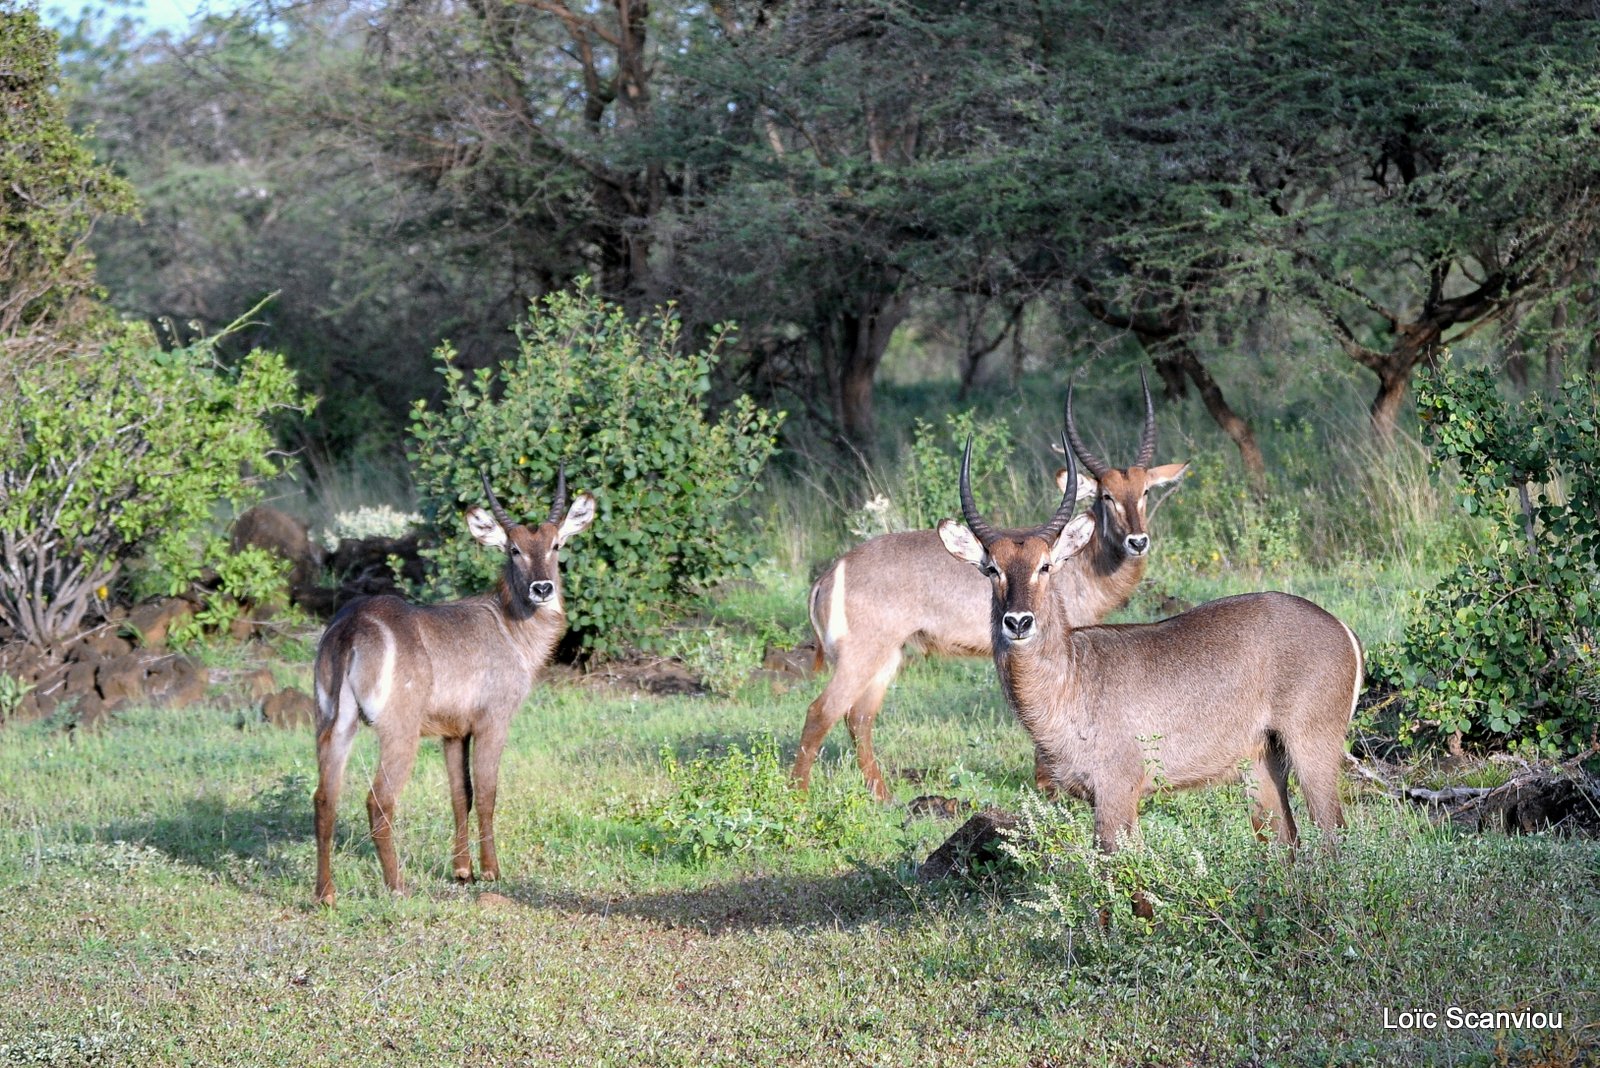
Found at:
<point>1406,174</point>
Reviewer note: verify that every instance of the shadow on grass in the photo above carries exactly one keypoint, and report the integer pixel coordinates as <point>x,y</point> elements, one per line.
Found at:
<point>761,902</point>
<point>211,834</point>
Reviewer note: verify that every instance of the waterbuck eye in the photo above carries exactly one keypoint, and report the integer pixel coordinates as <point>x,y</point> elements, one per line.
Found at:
<point>1044,567</point>
<point>989,569</point>
<point>1105,496</point>
<point>515,551</point>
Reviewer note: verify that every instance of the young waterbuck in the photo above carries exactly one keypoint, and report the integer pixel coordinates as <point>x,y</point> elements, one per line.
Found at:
<point>1263,681</point>
<point>456,671</point>
<point>903,589</point>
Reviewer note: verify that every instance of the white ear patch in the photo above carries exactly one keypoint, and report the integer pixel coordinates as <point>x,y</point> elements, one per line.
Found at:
<point>484,528</point>
<point>579,516</point>
<point>961,542</point>
<point>1087,487</point>
<point>1165,474</point>
<point>1072,539</point>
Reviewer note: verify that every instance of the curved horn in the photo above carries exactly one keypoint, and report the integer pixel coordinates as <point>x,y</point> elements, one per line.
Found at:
<point>969,511</point>
<point>1069,503</point>
<point>559,508</point>
<point>1097,467</point>
<point>494,505</point>
<point>1147,443</point>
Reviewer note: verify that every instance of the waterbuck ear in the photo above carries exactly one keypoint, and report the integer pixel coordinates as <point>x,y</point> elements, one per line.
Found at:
<point>1073,539</point>
<point>1087,486</point>
<point>579,516</point>
<point>1165,474</point>
<point>961,542</point>
<point>489,533</point>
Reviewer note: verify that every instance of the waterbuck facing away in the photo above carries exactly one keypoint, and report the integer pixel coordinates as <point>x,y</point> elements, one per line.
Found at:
<point>1262,682</point>
<point>903,589</point>
<point>456,671</point>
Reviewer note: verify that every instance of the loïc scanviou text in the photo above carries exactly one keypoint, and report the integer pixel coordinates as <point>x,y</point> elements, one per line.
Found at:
<point>1454,1018</point>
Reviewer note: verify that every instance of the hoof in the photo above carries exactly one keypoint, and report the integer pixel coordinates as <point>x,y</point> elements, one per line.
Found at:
<point>463,875</point>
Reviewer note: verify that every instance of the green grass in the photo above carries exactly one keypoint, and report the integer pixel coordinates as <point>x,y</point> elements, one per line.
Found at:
<point>155,898</point>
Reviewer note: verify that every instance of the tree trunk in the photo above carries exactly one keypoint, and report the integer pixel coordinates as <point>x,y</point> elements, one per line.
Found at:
<point>1386,406</point>
<point>1232,423</point>
<point>864,332</point>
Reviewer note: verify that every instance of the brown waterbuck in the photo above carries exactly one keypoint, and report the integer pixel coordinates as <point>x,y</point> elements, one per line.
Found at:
<point>1262,682</point>
<point>456,671</point>
<point>903,589</point>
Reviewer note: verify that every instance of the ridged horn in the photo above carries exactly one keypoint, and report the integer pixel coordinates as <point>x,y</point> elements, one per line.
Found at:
<point>494,505</point>
<point>969,511</point>
<point>559,508</point>
<point>1069,503</point>
<point>1097,467</point>
<point>1147,442</point>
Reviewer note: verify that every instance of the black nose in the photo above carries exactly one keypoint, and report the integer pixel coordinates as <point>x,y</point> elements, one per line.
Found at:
<point>1017,624</point>
<point>1138,543</point>
<point>541,591</point>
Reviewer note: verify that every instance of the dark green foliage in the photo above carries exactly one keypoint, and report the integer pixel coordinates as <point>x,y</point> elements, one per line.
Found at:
<point>620,402</point>
<point>1503,650</point>
<point>50,197</point>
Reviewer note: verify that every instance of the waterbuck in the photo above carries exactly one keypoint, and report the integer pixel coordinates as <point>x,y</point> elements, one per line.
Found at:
<point>456,671</point>
<point>903,589</point>
<point>1262,681</point>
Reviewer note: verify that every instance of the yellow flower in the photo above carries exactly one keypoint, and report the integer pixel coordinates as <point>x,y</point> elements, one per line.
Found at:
<point>101,592</point>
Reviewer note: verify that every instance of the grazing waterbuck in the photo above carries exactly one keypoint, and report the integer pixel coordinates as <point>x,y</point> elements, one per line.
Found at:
<point>1262,681</point>
<point>456,671</point>
<point>903,589</point>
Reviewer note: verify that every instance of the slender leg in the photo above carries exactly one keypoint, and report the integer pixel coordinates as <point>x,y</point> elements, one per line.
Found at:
<point>853,669</point>
<point>1116,821</point>
<point>1042,779</point>
<point>333,751</point>
<point>396,755</point>
<point>455,763</point>
<point>486,748</point>
<point>862,713</point>
<point>1271,789</point>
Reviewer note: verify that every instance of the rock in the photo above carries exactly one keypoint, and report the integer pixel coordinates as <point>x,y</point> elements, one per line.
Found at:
<point>255,685</point>
<point>975,845</point>
<point>151,621</point>
<point>81,677</point>
<point>278,532</point>
<point>799,662</point>
<point>104,645</point>
<point>938,806</point>
<point>121,678</point>
<point>175,682</point>
<point>289,708</point>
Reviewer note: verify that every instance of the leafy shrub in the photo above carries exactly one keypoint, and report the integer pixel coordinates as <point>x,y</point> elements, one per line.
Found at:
<point>249,580</point>
<point>621,404</point>
<point>743,802</point>
<point>1224,526</point>
<point>1503,649</point>
<point>123,451</point>
<point>924,489</point>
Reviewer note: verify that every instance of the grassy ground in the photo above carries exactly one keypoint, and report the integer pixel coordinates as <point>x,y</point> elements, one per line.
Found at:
<point>155,899</point>
<point>155,876</point>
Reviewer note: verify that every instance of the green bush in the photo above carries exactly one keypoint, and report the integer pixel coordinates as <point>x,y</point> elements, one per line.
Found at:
<point>620,402</point>
<point>743,802</point>
<point>1503,649</point>
<point>122,452</point>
